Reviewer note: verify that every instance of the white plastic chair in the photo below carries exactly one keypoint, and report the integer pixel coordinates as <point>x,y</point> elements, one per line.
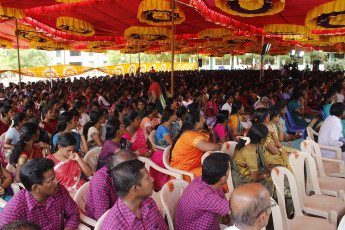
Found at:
<point>318,204</point>
<point>229,181</point>
<point>152,138</point>
<point>341,225</point>
<point>92,157</point>
<point>338,153</point>
<point>156,195</point>
<point>331,186</point>
<point>170,196</point>
<point>100,221</point>
<point>16,187</point>
<point>277,216</point>
<point>300,221</point>
<point>166,161</point>
<point>80,199</point>
<point>229,147</point>
<point>313,148</point>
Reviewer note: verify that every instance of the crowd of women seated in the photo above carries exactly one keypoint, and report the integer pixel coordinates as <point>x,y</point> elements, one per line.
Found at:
<point>66,121</point>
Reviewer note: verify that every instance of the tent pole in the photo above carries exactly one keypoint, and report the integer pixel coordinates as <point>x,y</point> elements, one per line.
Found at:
<point>51,80</point>
<point>173,6</point>
<point>139,59</point>
<point>262,60</point>
<point>20,77</point>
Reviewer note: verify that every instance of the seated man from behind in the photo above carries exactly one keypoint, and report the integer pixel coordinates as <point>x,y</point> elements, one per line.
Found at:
<point>21,225</point>
<point>250,207</point>
<point>43,201</point>
<point>331,131</point>
<point>134,209</point>
<point>203,200</point>
<point>102,194</point>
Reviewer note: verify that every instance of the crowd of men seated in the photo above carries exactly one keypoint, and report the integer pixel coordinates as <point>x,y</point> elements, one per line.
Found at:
<point>45,132</point>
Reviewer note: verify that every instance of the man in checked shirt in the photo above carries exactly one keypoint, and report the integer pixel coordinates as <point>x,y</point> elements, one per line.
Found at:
<point>134,209</point>
<point>43,201</point>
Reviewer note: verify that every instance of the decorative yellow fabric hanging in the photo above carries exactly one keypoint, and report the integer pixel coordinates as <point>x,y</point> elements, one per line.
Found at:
<point>127,50</point>
<point>327,16</point>
<point>8,13</point>
<point>216,33</point>
<point>239,39</point>
<point>25,32</point>
<point>154,52</point>
<point>286,29</point>
<point>4,43</point>
<point>251,8</point>
<point>140,34</point>
<point>99,45</point>
<point>311,37</point>
<point>337,39</point>
<point>57,71</point>
<point>49,46</point>
<point>75,26</point>
<point>158,13</point>
<point>321,42</point>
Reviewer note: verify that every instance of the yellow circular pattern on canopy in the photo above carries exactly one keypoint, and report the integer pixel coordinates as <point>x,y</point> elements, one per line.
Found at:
<point>158,13</point>
<point>75,26</point>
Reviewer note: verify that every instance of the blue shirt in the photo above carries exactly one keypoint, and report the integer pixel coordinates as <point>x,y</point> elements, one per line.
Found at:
<point>13,134</point>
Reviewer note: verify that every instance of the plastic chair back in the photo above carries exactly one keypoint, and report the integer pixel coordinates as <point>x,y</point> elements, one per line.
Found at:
<point>289,118</point>
<point>100,221</point>
<point>81,196</point>
<point>323,114</point>
<point>311,133</point>
<point>313,148</point>
<point>342,224</point>
<point>278,175</point>
<point>166,162</point>
<point>92,157</point>
<point>150,164</point>
<point>152,139</point>
<point>170,196</point>
<point>206,154</point>
<point>299,162</point>
<point>277,217</point>
<point>229,147</point>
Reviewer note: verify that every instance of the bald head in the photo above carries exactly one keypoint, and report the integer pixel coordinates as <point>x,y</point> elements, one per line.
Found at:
<point>119,157</point>
<point>246,203</point>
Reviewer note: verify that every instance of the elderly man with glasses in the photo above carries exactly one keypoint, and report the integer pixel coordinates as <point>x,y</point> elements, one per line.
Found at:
<point>250,206</point>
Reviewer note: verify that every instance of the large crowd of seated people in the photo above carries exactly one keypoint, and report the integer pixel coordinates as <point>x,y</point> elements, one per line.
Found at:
<point>47,128</point>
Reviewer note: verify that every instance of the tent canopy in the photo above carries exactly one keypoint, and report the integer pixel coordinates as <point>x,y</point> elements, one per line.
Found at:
<point>111,18</point>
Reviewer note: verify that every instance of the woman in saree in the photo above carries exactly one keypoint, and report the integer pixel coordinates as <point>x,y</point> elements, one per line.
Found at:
<point>190,144</point>
<point>212,109</point>
<point>6,180</point>
<point>26,149</point>
<point>276,154</point>
<point>247,165</point>
<point>236,119</point>
<point>150,120</point>
<point>93,129</point>
<point>296,108</point>
<point>157,93</point>
<point>289,140</point>
<point>221,128</point>
<point>69,166</point>
<point>139,143</point>
<point>329,99</point>
<point>163,137</point>
<point>48,120</point>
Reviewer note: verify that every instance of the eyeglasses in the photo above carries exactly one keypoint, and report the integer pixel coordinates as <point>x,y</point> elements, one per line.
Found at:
<point>274,203</point>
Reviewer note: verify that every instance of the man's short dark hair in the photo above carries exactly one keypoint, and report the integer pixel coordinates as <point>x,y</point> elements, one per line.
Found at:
<point>127,174</point>
<point>19,225</point>
<point>114,160</point>
<point>32,172</point>
<point>337,109</point>
<point>215,167</point>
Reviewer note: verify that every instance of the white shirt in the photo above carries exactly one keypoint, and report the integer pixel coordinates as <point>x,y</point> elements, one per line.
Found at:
<point>227,107</point>
<point>330,132</point>
<point>232,228</point>
<point>340,97</point>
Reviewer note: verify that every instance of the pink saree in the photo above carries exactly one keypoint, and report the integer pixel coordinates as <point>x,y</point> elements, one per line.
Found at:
<point>68,172</point>
<point>139,146</point>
